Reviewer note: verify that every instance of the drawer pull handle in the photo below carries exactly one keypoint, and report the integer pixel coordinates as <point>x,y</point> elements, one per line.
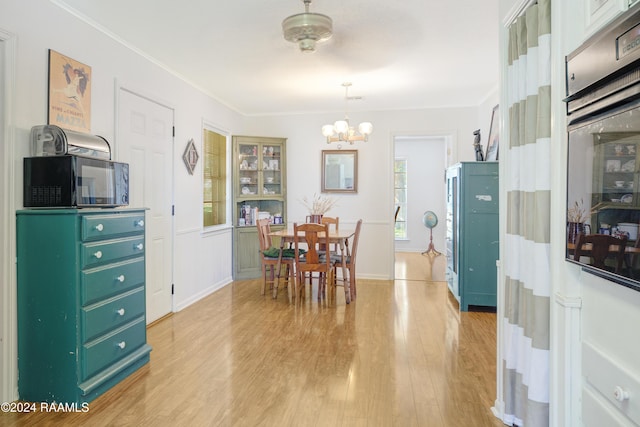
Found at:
<point>620,394</point>
<point>122,344</point>
<point>139,246</point>
<point>120,278</point>
<point>98,254</point>
<point>120,312</point>
<point>99,227</point>
<point>140,223</point>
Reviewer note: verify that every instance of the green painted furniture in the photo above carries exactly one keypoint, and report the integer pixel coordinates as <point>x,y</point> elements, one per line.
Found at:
<point>472,238</point>
<point>81,301</point>
<point>259,185</point>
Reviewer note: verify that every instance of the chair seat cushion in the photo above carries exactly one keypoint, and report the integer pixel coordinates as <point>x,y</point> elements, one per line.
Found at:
<point>336,258</point>
<point>322,258</point>
<point>286,253</point>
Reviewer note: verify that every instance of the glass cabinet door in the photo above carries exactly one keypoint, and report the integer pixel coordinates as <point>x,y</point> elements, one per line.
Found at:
<point>249,161</point>
<point>271,172</point>
<point>260,170</point>
<point>616,177</point>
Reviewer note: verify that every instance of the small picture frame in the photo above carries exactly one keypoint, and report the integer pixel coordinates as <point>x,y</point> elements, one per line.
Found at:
<point>494,136</point>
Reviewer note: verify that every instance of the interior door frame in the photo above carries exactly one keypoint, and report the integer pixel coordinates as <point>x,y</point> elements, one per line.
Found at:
<point>8,306</point>
<point>451,153</point>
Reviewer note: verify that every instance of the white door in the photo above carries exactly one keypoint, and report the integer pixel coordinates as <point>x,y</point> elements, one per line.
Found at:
<point>145,141</point>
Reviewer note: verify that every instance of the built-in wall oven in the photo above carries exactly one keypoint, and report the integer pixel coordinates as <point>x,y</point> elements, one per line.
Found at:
<point>603,171</point>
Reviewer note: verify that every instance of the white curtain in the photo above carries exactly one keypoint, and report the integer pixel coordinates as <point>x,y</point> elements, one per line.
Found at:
<point>525,363</point>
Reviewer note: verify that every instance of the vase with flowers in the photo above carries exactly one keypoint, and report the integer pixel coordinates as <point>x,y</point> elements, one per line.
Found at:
<point>577,215</point>
<point>317,207</point>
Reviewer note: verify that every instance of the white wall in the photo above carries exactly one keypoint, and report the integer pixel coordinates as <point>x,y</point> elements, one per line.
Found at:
<point>606,312</point>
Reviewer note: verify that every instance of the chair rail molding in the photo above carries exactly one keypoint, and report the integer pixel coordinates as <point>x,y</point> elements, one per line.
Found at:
<point>566,359</point>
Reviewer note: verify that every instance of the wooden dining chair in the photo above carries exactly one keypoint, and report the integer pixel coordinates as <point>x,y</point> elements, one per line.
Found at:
<point>348,282</point>
<point>331,221</point>
<point>270,257</point>
<point>599,250</point>
<point>311,235</point>
<point>633,260</point>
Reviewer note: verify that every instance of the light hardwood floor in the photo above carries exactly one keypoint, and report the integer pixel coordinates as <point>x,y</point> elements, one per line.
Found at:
<point>400,355</point>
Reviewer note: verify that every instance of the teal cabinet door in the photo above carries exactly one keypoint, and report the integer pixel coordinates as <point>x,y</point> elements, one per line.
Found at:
<point>473,202</point>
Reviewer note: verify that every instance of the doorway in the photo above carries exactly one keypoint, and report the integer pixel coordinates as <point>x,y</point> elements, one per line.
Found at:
<point>145,141</point>
<point>8,304</point>
<point>425,160</point>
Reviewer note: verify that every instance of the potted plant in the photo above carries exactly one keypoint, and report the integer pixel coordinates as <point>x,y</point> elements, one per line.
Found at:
<point>317,207</point>
<point>577,215</point>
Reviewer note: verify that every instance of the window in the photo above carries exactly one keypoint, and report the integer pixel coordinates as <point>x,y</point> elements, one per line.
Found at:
<point>214,154</point>
<point>400,191</point>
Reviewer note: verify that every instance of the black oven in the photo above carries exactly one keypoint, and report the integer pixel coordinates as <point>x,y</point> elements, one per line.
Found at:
<point>603,162</point>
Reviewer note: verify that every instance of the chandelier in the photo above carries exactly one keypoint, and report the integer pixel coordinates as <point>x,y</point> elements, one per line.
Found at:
<point>307,28</point>
<point>342,131</point>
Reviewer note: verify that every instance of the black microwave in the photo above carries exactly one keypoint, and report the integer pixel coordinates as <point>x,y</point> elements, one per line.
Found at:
<point>72,181</point>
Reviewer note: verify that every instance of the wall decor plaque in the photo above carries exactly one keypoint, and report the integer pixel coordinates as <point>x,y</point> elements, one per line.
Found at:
<point>190,156</point>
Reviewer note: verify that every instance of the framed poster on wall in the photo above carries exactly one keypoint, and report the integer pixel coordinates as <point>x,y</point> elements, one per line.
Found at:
<point>69,93</point>
<point>494,136</point>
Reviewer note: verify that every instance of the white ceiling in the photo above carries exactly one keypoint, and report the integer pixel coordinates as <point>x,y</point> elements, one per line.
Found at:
<point>399,54</point>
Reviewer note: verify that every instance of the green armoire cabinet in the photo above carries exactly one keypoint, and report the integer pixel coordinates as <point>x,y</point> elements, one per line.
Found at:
<point>259,191</point>
<point>472,236</point>
<point>81,301</point>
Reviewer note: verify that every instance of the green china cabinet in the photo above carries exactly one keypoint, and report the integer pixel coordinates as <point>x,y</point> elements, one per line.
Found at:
<point>81,301</point>
<point>259,191</point>
<point>472,239</point>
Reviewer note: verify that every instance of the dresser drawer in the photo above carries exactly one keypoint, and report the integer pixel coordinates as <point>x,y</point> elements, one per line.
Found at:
<point>96,227</point>
<point>98,253</point>
<point>615,384</point>
<point>103,282</point>
<point>100,353</point>
<point>111,313</point>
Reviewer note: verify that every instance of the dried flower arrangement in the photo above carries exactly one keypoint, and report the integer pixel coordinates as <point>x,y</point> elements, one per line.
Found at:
<point>577,213</point>
<point>319,205</point>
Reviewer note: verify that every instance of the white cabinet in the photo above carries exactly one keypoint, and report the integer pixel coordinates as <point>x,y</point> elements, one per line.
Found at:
<point>610,352</point>
<point>600,12</point>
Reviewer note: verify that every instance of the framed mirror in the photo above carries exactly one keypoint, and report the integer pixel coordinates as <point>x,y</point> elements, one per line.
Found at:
<point>339,171</point>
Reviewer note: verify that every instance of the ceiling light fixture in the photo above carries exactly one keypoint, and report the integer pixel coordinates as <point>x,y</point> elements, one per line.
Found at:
<point>307,28</point>
<point>342,131</point>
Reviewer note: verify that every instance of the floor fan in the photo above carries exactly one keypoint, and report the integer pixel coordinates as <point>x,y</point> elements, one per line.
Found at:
<point>430,220</point>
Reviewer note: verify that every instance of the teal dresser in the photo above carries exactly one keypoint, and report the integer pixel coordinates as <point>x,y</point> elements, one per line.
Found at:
<point>472,235</point>
<point>81,301</point>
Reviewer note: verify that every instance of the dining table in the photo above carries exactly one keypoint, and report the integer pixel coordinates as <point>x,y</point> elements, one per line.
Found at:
<point>630,252</point>
<point>339,237</point>
<point>612,248</point>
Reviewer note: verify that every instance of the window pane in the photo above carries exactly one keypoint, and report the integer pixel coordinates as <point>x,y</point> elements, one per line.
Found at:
<point>215,178</point>
<point>401,166</point>
<point>400,193</point>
